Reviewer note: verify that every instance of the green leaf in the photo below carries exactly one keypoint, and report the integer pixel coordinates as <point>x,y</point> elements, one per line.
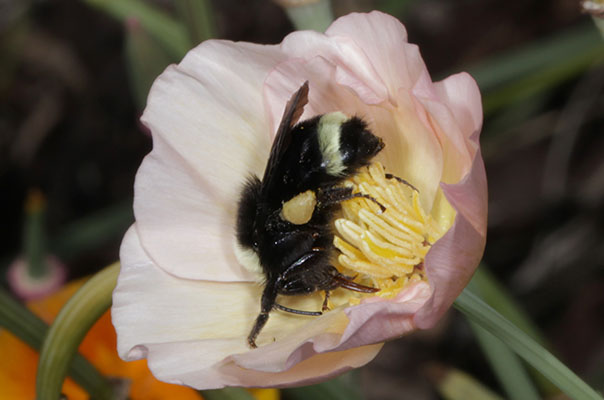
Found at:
<point>457,385</point>
<point>536,67</point>
<point>229,393</point>
<point>31,329</point>
<point>315,15</point>
<point>145,61</point>
<point>89,232</point>
<point>340,388</point>
<point>488,288</point>
<point>198,17</point>
<point>534,57</point>
<point>75,319</point>
<point>485,316</point>
<point>35,235</point>
<point>599,21</point>
<point>164,28</point>
<point>510,372</point>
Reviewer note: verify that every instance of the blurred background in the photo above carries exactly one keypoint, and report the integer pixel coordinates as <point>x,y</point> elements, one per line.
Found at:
<point>73,81</point>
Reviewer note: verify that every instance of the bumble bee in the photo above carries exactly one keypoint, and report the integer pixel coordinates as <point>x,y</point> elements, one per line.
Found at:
<point>284,220</point>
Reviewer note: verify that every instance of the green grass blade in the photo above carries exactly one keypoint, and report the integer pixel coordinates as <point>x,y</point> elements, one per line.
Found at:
<point>198,17</point>
<point>534,57</point>
<point>536,67</point>
<point>496,296</point>
<point>510,372</point>
<point>145,60</point>
<point>75,319</point>
<point>340,388</point>
<point>31,329</point>
<point>315,16</point>
<point>229,393</point>
<point>93,230</point>
<point>485,316</point>
<point>164,28</point>
<point>454,384</point>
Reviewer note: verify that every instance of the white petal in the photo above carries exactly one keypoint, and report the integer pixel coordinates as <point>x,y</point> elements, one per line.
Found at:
<point>182,224</point>
<point>384,41</point>
<point>209,130</point>
<point>152,306</point>
<point>194,332</point>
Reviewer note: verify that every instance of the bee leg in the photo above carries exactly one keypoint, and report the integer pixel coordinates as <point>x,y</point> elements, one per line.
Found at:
<point>325,306</point>
<point>266,305</point>
<point>300,312</point>
<point>258,325</point>
<point>340,280</point>
<point>401,180</point>
<point>335,195</point>
<point>368,197</point>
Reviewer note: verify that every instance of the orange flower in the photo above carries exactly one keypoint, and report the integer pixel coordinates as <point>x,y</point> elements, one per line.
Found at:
<point>19,361</point>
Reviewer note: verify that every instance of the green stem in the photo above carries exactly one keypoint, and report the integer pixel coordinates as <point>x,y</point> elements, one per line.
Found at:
<point>486,286</point>
<point>486,317</point>
<point>166,29</point>
<point>66,333</point>
<point>510,372</point>
<point>340,388</point>
<point>34,235</point>
<point>228,393</point>
<point>198,16</point>
<point>316,16</point>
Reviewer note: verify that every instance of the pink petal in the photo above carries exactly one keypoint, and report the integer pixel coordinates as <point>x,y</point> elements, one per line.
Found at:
<point>33,287</point>
<point>454,113</point>
<point>461,95</point>
<point>152,306</point>
<point>179,363</point>
<point>451,261</point>
<point>353,67</point>
<point>183,225</point>
<point>194,332</point>
<point>383,39</point>
<point>209,132</point>
<point>380,320</point>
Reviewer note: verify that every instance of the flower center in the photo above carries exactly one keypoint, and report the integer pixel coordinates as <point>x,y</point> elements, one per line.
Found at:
<point>385,249</point>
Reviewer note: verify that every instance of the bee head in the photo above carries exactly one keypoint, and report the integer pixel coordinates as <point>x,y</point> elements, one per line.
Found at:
<point>358,145</point>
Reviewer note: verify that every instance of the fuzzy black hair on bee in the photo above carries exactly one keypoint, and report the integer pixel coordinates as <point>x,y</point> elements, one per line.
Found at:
<point>284,220</point>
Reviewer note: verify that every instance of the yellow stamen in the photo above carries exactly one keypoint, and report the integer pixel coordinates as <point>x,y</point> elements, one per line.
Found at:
<point>383,249</point>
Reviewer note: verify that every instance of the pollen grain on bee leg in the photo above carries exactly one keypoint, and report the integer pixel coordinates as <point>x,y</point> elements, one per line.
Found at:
<point>385,248</point>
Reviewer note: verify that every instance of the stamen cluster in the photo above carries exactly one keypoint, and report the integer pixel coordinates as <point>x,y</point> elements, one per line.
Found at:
<point>385,249</point>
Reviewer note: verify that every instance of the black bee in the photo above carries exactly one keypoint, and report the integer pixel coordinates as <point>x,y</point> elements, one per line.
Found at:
<point>284,221</point>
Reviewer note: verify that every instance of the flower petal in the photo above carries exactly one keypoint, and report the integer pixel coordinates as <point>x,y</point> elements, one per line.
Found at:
<point>194,332</point>
<point>379,320</point>
<point>180,363</point>
<point>184,227</point>
<point>451,261</point>
<point>152,306</point>
<point>352,66</point>
<point>461,95</point>
<point>383,39</point>
<point>209,139</point>
<point>454,113</point>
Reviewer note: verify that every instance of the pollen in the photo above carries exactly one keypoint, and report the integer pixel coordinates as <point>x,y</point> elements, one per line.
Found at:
<point>383,248</point>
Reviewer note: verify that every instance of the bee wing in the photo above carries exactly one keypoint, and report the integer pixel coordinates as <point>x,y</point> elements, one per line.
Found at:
<point>293,111</point>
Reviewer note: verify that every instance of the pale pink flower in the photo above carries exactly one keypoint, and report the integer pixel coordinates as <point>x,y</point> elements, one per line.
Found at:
<point>185,303</point>
<point>31,287</point>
